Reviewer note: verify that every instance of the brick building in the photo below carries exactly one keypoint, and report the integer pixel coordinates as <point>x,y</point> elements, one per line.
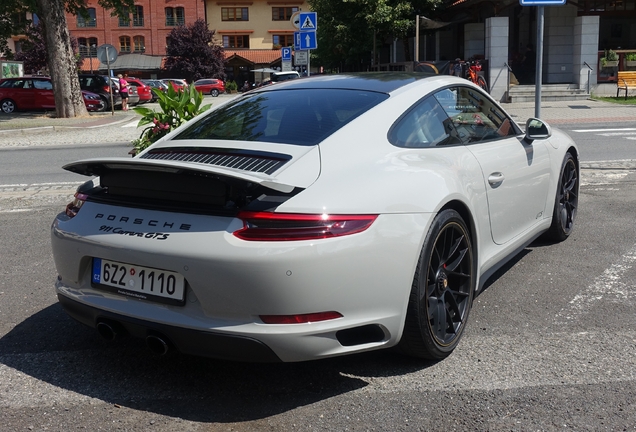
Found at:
<point>251,32</point>
<point>140,39</point>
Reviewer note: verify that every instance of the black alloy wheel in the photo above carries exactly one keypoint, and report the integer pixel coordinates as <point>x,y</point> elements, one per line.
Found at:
<point>442,291</point>
<point>566,201</point>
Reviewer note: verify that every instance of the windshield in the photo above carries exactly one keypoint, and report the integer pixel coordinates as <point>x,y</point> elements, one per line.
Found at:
<point>301,117</point>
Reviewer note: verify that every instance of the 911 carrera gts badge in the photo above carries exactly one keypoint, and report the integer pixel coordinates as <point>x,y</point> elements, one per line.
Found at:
<point>148,235</point>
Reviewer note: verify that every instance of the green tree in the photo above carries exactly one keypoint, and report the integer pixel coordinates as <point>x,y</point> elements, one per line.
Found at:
<point>193,54</point>
<point>347,29</point>
<point>61,60</point>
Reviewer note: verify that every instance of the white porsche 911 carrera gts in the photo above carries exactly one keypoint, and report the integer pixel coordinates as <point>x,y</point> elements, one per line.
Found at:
<point>313,218</point>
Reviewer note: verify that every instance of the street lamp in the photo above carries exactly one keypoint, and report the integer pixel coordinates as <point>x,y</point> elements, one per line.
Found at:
<point>90,55</point>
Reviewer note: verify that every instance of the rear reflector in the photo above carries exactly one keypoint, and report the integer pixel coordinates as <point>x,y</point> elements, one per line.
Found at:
<point>266,226</point>
<point>300,319</point>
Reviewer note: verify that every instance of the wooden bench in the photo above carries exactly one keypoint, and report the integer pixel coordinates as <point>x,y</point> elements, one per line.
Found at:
<point>626,82</point>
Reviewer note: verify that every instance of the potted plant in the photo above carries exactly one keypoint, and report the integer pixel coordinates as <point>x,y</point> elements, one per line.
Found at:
<point>610,59</point>
<point>231,87</point>
<point>630,59</point>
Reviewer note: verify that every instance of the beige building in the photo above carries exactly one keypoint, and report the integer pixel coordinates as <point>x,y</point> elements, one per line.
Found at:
<point>253,33</point>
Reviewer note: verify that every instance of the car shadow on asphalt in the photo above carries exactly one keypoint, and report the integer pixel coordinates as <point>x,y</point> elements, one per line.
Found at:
<point>53,348</point>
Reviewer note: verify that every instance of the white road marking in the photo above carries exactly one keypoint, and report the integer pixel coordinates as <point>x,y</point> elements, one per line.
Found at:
<point>131,124</point>
<point>609,286</point>
<point>604,130</point>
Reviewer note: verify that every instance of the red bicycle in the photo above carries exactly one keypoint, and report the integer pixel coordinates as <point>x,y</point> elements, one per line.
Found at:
<point>469,70</point>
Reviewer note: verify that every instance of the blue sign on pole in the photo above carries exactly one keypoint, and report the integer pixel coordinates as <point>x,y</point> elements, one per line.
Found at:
<point>296,41</point>
<point>308,21</point>
<point>308,41</point>
<point>286,54</point>
<point>542,2</point>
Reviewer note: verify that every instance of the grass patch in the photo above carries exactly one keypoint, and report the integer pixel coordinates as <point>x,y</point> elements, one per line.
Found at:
<point>631,100</point>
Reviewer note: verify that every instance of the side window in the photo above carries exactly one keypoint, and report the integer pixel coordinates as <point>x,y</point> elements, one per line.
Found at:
<point>43,85</point>
<point>425,125</point>
<point>474,116</point>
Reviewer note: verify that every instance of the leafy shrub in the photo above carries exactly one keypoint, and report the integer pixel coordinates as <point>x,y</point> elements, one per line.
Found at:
<point>630,56</point>
<point>609,56</point>
<point>231,86</point>
<point>177,107</point>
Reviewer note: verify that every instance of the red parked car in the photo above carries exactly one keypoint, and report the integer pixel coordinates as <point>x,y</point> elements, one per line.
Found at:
<point>210,86</point>
<point>177,84</point>
<point>34,93</point>
<point>143,90</point>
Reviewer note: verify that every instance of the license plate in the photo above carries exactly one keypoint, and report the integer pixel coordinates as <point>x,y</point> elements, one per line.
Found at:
<point>139,282</point>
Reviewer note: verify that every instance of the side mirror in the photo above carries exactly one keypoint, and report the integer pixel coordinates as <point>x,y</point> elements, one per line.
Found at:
<point>537,129</point>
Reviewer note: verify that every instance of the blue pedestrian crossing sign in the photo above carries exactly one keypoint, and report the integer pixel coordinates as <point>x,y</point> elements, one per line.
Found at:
<point>285,54</point>
<point>308,21</point>
<point>308,41</point>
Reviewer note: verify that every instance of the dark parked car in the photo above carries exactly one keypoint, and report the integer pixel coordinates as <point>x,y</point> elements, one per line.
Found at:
<point>210,86</point>
<point>156,84</point>
<point>99,84</point>
<point>33,93</point>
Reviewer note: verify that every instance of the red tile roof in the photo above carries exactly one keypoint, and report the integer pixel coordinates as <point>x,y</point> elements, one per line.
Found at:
<point>256,56</point>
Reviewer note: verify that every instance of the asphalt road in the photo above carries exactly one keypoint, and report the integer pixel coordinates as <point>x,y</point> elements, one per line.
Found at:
<point>550,345</point>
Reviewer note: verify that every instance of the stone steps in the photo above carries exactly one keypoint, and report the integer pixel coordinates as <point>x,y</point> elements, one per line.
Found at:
<point>549,92</point>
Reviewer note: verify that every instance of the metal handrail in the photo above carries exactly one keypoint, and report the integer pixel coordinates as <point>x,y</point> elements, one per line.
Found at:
<point>508,80</point>
<point>589,71</point>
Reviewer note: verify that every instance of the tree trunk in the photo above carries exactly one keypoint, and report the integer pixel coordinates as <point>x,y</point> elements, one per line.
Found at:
<point>61,60</point>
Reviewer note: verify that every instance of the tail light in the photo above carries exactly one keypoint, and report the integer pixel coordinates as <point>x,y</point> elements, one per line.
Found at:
<point>74,206</point>
<point>266,226</point>
<point>300,319</point>
<point>107,89</point>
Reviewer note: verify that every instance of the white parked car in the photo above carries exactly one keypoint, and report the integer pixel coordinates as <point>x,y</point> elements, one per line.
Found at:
<point>314,218</point>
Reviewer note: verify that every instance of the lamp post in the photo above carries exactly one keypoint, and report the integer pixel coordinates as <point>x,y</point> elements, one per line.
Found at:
<point>90,55</point>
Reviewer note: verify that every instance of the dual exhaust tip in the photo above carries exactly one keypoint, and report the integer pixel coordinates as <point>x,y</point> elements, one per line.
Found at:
<point>156,342</point>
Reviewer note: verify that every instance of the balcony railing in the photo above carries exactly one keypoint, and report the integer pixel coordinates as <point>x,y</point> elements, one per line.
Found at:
<point>174,21</point>
<point>81,23</point>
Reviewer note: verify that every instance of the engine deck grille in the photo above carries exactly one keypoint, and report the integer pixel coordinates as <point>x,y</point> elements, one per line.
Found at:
<point>244,160</point>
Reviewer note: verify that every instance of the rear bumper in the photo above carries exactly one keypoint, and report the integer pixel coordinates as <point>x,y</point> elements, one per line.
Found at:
<point>187,341</point>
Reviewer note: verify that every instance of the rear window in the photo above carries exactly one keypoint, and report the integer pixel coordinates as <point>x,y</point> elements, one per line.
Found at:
<point>301,117</point>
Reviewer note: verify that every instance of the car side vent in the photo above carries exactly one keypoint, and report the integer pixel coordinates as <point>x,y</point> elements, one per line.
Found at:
<point>260,162</point>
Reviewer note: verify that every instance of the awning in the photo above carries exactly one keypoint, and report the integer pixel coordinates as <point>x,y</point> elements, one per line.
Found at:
<point>134,62</point>
<point>428,23</point>
<point>264,70</point>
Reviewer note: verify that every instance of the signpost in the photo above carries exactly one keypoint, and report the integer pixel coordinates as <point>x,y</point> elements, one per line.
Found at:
<point>306,38</point>
<point>107,53</point>
<point>286,59</point>
<point>539,63</point>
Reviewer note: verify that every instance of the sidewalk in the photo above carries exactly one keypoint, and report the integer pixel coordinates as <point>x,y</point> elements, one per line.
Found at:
<point>28,129</point>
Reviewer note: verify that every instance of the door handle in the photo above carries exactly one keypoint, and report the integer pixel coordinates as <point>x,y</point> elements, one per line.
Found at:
<point>495,179</point>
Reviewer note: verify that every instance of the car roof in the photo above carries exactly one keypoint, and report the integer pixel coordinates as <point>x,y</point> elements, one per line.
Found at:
<point>384,82</point>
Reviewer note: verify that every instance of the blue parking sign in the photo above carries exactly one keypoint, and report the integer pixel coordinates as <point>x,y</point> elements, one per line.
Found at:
<point>285,54</point>
<point>296,41</point>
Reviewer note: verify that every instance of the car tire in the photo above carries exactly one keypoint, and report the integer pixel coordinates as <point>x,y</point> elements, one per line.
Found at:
<point>442,291</point>
<point>106,106</point>
<point>566,201</point>
<point>214,92</point>
<point>8,106</point>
